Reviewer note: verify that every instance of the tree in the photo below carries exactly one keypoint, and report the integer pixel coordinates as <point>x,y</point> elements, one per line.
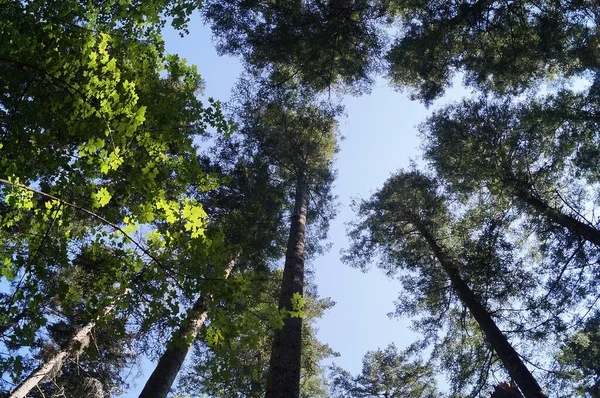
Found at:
<point>97,369</point>
<point>249,211</point>
<point>389,374</point>
<point>80,350</point>
<point>170,362</point>
<point>531,157</point>
<point>297,135</point>
<point>506,390</point>
<point>97,138</point>
<point>409,225</point>
<point>577,361</point>
<point>237,364</point>
<point>51,366</point>
<point>322,43</point>
<point>501,46</point>
<point>461,352</point>
<point>535,160</point>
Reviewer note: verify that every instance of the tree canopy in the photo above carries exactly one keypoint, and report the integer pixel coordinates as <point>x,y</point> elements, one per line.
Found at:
<point>138,220</point>
<point>387,373</point>
<point>324,44</point>
<point>504,47</point>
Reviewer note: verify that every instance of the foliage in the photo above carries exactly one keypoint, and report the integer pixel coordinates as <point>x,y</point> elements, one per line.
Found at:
<point>294,132</point>
<point>387,373</point>
<point>462,353</point>
<point>537,142</point>
<point>501,46</point>
<point>531,160</point>
<point>324,44</point>
<point>97,138</point>
<point>237,362</point>
<point>438,253</point>
<point>104,199</point>
<point>99,371</point>
<point>290,126</point>
<point>577,360</point>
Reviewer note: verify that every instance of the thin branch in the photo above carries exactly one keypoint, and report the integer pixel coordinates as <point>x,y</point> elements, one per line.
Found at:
<point>88,212</point>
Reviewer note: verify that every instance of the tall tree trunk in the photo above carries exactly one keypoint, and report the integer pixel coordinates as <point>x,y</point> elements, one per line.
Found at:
<point>79,342</point>
<point>169,364</point>
<point>284,370</point>
<point>577,227</point>
<point>505,351</point>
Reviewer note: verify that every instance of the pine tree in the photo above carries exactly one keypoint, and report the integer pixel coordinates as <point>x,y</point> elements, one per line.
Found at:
<point>409,225</point>
<point>387,373</point>
<point>499,46</point>
<point>324,44</point>
<point>297,135</point>
<point>238,365</point>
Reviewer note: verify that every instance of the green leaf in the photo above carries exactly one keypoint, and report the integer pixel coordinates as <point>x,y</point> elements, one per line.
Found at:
<point>102,197</point>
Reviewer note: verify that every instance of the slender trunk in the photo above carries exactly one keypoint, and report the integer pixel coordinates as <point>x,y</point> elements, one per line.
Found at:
<point>284,371</point>
<point>79,342</point>
<point>584,230</point>
<point>505,351</point>
<point>169,364</point>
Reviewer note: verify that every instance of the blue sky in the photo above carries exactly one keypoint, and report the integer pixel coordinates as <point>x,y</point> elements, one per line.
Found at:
<point>380,138</point>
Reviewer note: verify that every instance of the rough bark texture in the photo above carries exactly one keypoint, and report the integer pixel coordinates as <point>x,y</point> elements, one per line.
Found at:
<point>168,366</point>
<point>505,351</point>
<point>79,342</point>
<point>284,371</point>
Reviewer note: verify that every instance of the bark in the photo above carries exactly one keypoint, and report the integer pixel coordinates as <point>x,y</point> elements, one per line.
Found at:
<point>48,370</point>
<point>284,370</point>
<point>500,344</point>
<point>168,366</point>
<point>577,227</point>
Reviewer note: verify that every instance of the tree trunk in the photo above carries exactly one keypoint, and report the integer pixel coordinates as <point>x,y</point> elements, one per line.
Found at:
<point>168,366</point>
<point>577,227</point>
<point>79,342</point>
<point>505,351</point>
<point>284,370</point>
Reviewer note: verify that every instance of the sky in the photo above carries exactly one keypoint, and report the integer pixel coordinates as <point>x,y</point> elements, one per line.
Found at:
<point>380,131</point>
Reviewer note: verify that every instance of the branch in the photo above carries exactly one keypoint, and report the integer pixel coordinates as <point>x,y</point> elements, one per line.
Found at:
<point>88,212</point>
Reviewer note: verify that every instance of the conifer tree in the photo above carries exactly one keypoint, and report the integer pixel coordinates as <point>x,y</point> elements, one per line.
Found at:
<point>408,224</point>
<point>297,135</point>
